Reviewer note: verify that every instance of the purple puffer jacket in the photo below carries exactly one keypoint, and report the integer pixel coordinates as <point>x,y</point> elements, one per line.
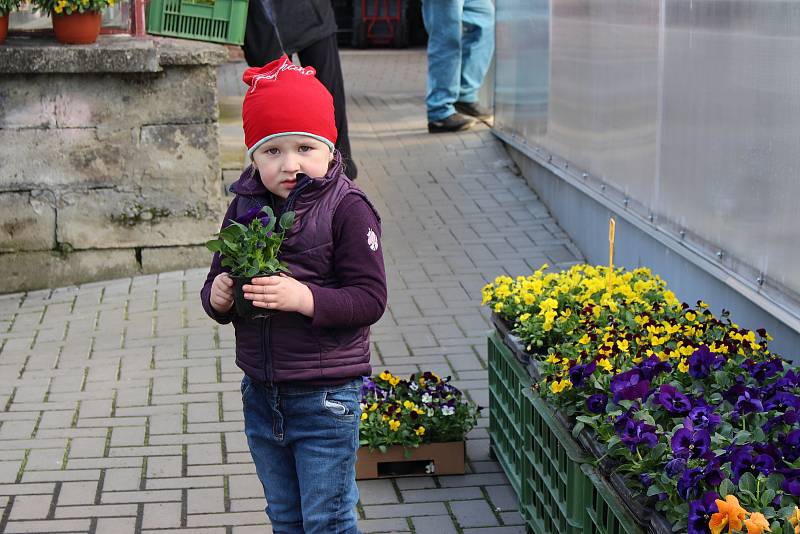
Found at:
<point>287,347</point>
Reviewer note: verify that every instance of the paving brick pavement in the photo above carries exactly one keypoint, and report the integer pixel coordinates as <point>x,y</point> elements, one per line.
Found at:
<point>121,407</point>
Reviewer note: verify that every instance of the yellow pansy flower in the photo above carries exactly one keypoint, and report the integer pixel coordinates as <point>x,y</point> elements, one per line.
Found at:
<point>524,317</point>
<point>690,316</point>
<point>498,307</point>
<point>386,375</point>
<point>364,416</point>
<point>394,425</point>
<point>683,367</point>
<point>623,345</point>
<point>606,365</point>
<point>420,431</point>
<point>373,406</point>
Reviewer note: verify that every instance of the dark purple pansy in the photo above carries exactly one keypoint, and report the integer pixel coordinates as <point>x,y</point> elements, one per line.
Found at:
<point>700,512</point>
<point>702,416</point>
<point>630,385</point>
<point>579,373</point>
<point>745,460</point>
<point>782,400</point>
<point>790,446</point>
<point>791,481</point>
<point>789,380</point>
<point>703,361</point>
<point>764,370</point>
<point>689,483</point>
<point>675,402</point>
<point>633,433</point>
<point>713,475</point>
<point>690,443</point>
<point>653,366</point>
<point>597,403</point>
<point>675,467</point>
<point>248,216</point>
<point>646,479</point>
<point>735,390</point>
<point>748,402</point>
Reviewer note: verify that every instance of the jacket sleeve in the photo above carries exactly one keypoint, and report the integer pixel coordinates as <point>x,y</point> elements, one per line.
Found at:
<point>216,268</point>
<point>360,299</point>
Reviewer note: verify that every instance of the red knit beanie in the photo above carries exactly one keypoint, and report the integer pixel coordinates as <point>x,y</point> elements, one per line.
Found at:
<point>285,99</point>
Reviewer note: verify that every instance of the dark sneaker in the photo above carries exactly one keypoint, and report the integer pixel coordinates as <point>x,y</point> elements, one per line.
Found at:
<point>474,110</point>
<point>454,123</point>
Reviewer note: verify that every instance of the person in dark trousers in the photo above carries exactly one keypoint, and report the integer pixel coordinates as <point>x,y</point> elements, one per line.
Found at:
<point>306,28</point>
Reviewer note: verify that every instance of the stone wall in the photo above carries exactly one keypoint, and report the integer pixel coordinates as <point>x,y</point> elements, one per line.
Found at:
<point>109,159</point>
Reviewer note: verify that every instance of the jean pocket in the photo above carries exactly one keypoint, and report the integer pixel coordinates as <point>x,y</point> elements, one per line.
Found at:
<point>341,404</point>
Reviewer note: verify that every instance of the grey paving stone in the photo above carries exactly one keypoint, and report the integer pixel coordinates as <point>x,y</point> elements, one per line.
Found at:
<point>437,524</point>
<point>30,507</point>
<point>404,510</point>
<point>473,513</point>
<point>443,494</point>
<point>377,492</point>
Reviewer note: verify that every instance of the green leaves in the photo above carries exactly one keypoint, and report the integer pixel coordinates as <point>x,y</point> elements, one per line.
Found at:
<point>252,249</point>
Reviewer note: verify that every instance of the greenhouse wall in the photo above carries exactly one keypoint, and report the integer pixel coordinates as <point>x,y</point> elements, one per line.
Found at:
<point>681,118</point>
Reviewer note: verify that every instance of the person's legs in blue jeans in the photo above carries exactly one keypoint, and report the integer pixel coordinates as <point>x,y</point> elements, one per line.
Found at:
<point>477,47</point>
<point>264,426</point>
<point>443,20</point>
<point>323,430</point>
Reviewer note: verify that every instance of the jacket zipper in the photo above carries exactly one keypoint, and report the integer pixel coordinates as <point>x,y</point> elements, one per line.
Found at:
<point>266,336</point>
<point>266,346</point>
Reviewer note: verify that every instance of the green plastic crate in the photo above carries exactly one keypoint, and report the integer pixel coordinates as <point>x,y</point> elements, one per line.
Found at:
<point>507,381</point>
<point>605,512</point>
<point>218,21</point>
<point>555,490</point>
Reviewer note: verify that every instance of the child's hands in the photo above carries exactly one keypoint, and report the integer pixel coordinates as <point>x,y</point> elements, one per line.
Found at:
<point>222,293</point>
<point>280,293</point>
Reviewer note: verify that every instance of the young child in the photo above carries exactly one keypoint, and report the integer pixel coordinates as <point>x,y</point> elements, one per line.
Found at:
<point>303,365</point>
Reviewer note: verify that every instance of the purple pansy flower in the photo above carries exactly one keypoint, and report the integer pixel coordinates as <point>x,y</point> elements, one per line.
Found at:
<point>646,479</point>
<point>745,460</point>
<point>597,403</point>
<point>702,416</point>
<point>675,467</point>
<point>690,443</point>
<point>579,373</point>
<point>703,361</point>
<point>248,216</point>
<point>689,483</point>
<point>675,402</point>
<point>630,385</point>
<point>748,402</point>
<point>791,446</point>
<point>633,433</point>
<point>700,512</point>
<point>782,399</point>
<point>653,366</point>
<point>791,481</point>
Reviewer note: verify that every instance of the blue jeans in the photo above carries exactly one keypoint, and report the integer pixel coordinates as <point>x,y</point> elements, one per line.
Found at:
<point>460,48</point>
<point>304,440</point>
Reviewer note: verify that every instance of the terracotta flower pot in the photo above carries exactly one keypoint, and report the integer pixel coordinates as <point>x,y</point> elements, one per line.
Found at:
<point>3,27</point>
<point>77,28</point>
<point>244,307</point>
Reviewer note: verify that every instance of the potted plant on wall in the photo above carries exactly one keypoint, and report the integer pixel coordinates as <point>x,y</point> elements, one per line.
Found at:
<point>74,21</point>
<point>249,247</point>
<point>6,7</point>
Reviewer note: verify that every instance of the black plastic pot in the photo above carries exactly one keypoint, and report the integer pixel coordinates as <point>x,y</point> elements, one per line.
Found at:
<point>244,307</point>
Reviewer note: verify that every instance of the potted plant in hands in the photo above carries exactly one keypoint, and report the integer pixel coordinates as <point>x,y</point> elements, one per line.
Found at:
<point>74,21</point>
<point>249,246</point>
<point>6,7</point>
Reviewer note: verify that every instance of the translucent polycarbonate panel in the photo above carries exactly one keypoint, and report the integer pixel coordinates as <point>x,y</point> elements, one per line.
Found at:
<point>730,132</point>
<point>690,108</point>
<point>580,77</point>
